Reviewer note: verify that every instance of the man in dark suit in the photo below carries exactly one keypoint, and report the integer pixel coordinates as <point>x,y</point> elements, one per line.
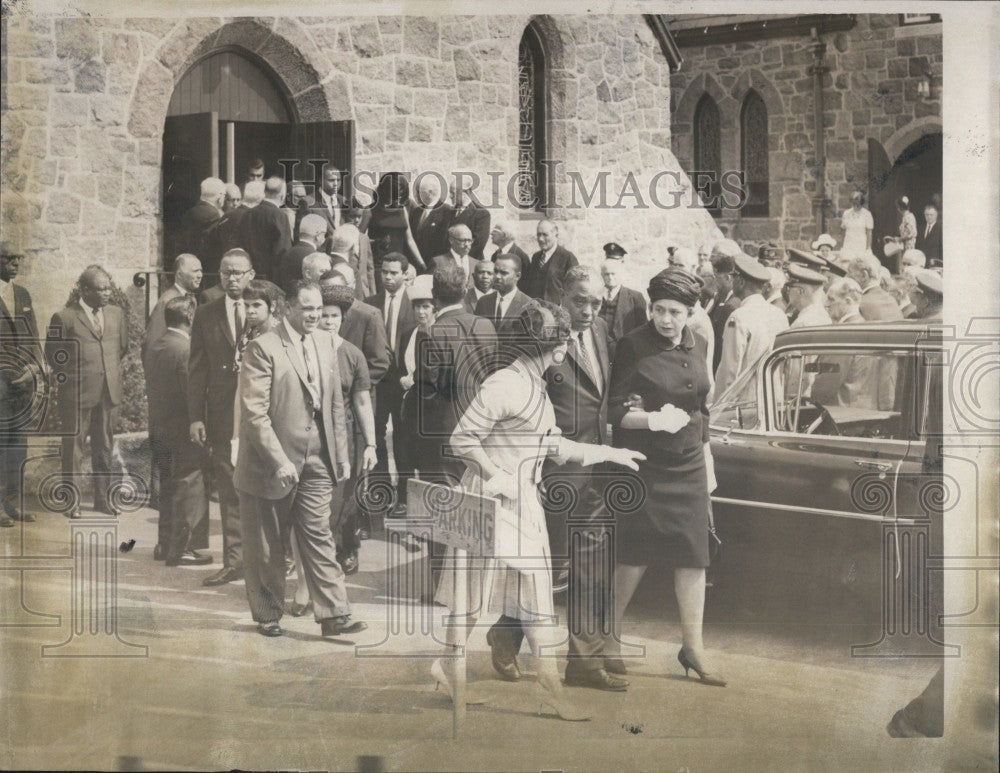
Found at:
<point>622,308</point>
<point>543,276</point>
<point>456,356</point>
<point>267,232</point>
<point>312,235</point>
<point>459,241</point>
<point>877,305</point>
<point>196,224</point>
<point>398,319</point>
<point>212,377</point>
<point>578,389</point>
<point>183,504</point>
<point>723,264</point>
<point>469,213</point>
<point>503,237</point>
<point>430,219</point>
<point>929,237</point>
<point>228,232</point>
<point>187,280</point>
<point>482,285</point>
<point>503,307</point>
<point>293,451</point>
<point>97,338</point>
<point>18,378</point>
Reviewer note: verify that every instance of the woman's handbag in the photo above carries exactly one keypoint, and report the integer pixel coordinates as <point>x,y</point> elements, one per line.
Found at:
<point>892,246</point>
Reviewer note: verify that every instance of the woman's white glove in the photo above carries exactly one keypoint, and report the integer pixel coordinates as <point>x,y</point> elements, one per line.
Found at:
<point>713,484</point>
<point>669,418</point>
<point>503,484</point>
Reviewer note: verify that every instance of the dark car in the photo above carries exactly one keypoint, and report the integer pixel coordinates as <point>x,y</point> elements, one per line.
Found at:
<point>827,461</point>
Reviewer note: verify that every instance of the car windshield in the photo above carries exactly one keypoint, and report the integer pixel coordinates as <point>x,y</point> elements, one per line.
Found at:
<point>737,406</point>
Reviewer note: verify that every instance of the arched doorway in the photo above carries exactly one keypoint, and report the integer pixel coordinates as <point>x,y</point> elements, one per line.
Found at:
<point>915,173</point>
<point>227,110</point>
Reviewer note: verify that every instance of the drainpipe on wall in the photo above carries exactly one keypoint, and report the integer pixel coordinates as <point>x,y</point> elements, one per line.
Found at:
<point>818,69</point>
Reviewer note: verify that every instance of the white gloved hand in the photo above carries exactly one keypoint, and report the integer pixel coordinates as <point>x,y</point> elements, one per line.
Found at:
<point>669,418</point>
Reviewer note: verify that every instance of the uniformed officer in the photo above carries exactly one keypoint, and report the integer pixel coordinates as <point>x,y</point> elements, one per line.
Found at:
<point>614,251</point>
<point>807,259</point>
<point>751,328</point>
<point>769,254</point>
<point>805,294</point>
<point>928,295</point>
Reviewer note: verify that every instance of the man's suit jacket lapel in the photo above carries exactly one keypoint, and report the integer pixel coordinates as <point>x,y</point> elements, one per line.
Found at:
<point>601,345</point>
<point>292,352</point>
<point>85,319</point>
<point>573,353</point>
<point>222,319</point>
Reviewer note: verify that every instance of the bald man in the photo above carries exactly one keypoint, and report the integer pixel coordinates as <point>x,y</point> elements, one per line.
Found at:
<point>187,281</point>
<point>429,220</point>
<point>460,245</point>
<point>312,234</point>
<point>543,275</point>
<point>267,232</point>
<point>502,236</point>
<point>467,212</point>
<point>196,223</point>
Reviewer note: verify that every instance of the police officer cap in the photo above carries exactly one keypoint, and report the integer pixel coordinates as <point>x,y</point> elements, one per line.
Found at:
<point>797,273</point>
<point>835,268</point>
<point>614,250</point>
<point>930,283</point>
<point>751,268</point>
<point>806,259</point>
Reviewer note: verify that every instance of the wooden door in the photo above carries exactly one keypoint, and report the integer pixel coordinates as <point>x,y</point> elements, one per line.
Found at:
<point>881,197</point>
<point>315,144</point>
<point>190,154</point>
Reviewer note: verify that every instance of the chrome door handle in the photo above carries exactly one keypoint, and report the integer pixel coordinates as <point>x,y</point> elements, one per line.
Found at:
<point>870,465</point>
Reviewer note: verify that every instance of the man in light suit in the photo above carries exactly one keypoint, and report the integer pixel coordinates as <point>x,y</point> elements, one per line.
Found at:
<point>397,316</point>
<point>96,339</point>
<point>543,276</point>
<point>187,280</point>
<point>22,371</point>
<point>212,375</point>
<point>469,213</point>
<point>622,308</point>
<point>183,504</point>
<point>267,232</point>
<point>876,304</point>
<point>293,451</point>
<point>460,241</point>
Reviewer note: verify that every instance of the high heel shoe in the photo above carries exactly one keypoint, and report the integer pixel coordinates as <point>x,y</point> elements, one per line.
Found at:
<point>550,695</point>
<point>703,676</point>
<point>441,678</point>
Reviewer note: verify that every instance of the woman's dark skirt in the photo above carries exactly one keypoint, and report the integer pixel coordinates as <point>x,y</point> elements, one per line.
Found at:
<point>671,527</point>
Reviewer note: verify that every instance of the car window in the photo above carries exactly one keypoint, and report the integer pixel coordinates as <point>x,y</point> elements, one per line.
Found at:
<point>861,394</point>
<point>737,407</point>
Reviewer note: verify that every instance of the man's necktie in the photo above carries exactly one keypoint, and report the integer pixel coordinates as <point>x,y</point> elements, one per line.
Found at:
<point>238,320</point>
<point>588,364</point>
<point>99,322</point>
<point>499,310</point>
<point>310,358</point>
<point>389,310</point>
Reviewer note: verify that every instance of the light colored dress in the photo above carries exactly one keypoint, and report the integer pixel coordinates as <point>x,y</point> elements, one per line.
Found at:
<point>512,420</point>
<point>856,224</point>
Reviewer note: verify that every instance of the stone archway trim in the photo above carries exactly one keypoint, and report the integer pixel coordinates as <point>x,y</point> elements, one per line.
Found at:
<point>756,80</point>
<point>907,135</point>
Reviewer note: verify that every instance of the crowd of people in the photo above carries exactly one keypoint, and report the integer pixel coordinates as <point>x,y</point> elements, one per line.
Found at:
<point>416,328</point>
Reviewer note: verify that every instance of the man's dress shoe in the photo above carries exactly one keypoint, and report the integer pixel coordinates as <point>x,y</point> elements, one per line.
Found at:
<point>190,558</point>
<point>5,522</point>
<point>341,626</point>
<point>159,553</point>
<point>504,660</point>
<point>269,629</point>
<point>596,678</point>
<point>224,575</point>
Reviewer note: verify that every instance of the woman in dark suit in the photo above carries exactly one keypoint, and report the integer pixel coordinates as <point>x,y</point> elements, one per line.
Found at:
<point>659,384</point>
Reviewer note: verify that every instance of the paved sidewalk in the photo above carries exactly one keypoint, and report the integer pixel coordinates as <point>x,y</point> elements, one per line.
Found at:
<point>211,693</point>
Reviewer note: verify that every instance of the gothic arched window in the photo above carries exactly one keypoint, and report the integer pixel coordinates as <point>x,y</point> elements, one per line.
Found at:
<point>708,151</point>
<point>753,154</point>
<point>531,80</point>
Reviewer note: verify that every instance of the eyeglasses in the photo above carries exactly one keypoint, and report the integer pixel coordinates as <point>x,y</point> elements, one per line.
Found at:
<point>234,273</point>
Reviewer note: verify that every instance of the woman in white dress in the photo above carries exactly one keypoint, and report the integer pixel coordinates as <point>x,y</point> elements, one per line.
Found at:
<point>504,436</point>
<point>857,225</point>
